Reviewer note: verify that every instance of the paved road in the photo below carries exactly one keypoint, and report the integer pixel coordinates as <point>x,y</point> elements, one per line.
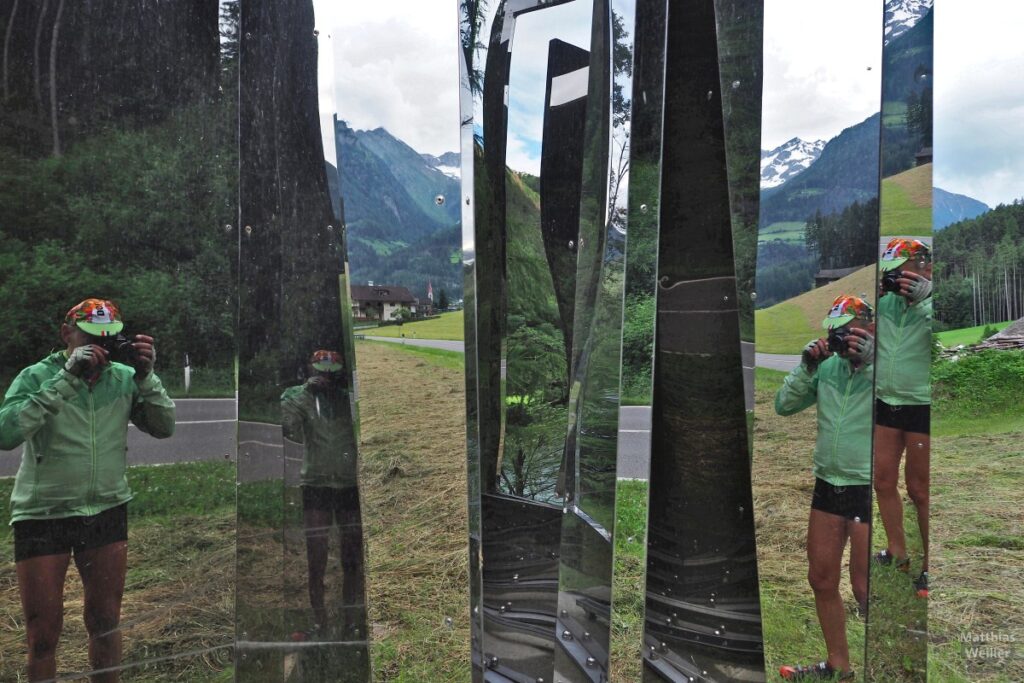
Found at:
<point>444,344</point>
<point>205,430</point>
<point>777,361</point>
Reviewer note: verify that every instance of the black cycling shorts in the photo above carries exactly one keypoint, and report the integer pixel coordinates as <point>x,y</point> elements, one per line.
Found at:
<point>67,535</point>
<point>343,502</point>
<point>915,419</point>
<point>851,502</point>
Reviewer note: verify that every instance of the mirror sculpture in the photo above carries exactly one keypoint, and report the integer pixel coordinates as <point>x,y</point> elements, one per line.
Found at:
<point>117,168</point>
<point>702,617</point>
<point>544,329</point>
<point>817,255</point>
<point>897,629</point>
<point>300,608</point>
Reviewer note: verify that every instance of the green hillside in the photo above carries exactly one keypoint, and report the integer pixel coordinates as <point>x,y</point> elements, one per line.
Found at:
<point>907,202</point>
<point>786,327</point>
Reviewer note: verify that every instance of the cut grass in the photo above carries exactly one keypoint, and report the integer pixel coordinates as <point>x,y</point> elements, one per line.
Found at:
<point>179,589</point>
<point>440,357</point>
<point>449,327</point>
<point>968,335</point>
<point>907,203</point>
<point>787,326</point>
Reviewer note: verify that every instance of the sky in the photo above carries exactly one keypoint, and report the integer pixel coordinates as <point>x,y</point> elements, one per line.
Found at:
<point>817,55</point>
<point>979,99</point>
<point>396,67</point>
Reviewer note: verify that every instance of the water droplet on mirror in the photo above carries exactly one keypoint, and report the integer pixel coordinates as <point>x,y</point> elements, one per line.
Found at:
<point>643,208</point>
<point>248,230</point>
<point>566,635</point>
<point>735,84</point>
<point>439,200</point>
<point>316,32</point>
<point>753,296</point>
<point>227,228</point>
<point>710,95</point>
<point>591,662</point>
<point>572,245</point>
<point>586,635</point>
<point>449,622</point>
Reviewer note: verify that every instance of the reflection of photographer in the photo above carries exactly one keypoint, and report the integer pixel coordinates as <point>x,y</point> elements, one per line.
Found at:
<point>70,496</point>
<point>835,374</point>
<point>317,415</point>
<point>903,393</point>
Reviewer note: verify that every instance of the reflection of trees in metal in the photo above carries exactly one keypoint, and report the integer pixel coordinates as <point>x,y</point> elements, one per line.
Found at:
<point>703,611</point>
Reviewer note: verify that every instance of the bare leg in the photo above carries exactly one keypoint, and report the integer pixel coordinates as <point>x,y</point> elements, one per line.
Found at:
<point>41,584</point>
<point>917,477</point>
<point>318,524</point>
<point>103,571</point>
<point>350,528</point>
<point>860,550</point>
<point>888,451</point>
<point>826,539</point>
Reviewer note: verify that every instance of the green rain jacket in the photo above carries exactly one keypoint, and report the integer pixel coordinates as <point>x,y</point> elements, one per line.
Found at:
<point>842,455</point>
<point>76,438</point>
<point>904,351</point>
<point>324,426</point>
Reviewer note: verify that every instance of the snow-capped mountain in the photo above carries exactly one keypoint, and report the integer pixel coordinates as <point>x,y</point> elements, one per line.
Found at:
<point>900,15</point>
<point>787,160</point>
<point>448,163</point>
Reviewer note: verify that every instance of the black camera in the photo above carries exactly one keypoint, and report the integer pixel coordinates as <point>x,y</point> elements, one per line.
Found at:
<point>889,283</point>
<point>837,339</point>
<point>119,347</point>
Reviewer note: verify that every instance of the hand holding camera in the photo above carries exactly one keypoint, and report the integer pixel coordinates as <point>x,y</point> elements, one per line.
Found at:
<point>861,344</point>
<point>816,351</point>
<point>908,284</point>
<point>85,358</point>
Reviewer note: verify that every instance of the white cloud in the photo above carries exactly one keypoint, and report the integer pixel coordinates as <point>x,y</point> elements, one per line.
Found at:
<point>979,100</point>
<point>396,67</point>
<point>817,55</point>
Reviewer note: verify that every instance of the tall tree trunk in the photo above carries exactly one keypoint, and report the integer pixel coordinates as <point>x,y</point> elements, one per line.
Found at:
<point>35,58</point>
<point>53,79</point>
<point>7,48</point>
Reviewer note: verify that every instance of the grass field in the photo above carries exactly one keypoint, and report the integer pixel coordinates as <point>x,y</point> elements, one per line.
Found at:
<point>968,335</point>
<point>179,592</point>
<point>449,326</point>
<point>907,202</point>
<point>977,565</point>
<point>787,326</point>
<point>786,231</point>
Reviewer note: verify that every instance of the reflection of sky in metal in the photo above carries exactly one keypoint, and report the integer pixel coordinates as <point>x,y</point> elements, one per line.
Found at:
<point>534,30</point>
<point>816,59</point>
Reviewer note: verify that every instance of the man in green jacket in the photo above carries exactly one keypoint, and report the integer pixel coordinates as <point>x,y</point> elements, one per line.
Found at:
<point>835,374</point>
<point>71,410</point>
<point>318,415</point>
<point>903,397</point>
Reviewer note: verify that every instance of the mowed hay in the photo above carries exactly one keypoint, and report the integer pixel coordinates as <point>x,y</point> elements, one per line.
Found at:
<point>977,565</point>
<point>783,482</point>
<point>413,482</point>
<point>179,595</point>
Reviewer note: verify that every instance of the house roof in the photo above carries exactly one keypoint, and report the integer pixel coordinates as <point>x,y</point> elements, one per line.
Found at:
<point>836,273</point>
<point>382,294</point>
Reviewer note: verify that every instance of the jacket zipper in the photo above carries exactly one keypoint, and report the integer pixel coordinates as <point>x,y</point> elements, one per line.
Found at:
<point>899,343</point>
<point>92,438</point>
<point>842,414</point>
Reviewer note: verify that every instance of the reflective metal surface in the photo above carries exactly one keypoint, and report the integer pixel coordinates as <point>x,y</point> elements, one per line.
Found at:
<point>812,449</point>
<point>546,331</point>
<point>118,169</point>
<point>703,619</point>
<point>300,603</point>
<point>897,627</point>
